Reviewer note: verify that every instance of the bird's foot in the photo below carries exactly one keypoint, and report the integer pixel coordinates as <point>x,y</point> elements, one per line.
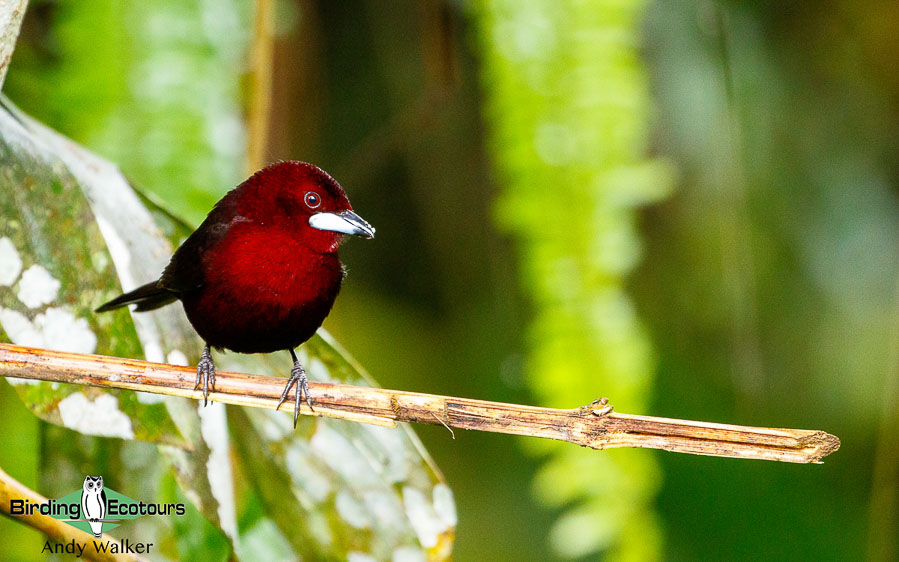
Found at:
<point>206,374</point>
<point>298,377</point>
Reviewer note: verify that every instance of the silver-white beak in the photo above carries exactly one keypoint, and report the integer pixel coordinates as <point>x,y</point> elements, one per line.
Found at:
<point>346,222</point>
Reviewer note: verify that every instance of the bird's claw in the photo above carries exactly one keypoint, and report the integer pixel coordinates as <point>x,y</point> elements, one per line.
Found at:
<point>206,374</point>
<point>298,377</point>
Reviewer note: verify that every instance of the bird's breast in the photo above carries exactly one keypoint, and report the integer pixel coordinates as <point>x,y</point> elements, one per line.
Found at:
<point>263,293</point>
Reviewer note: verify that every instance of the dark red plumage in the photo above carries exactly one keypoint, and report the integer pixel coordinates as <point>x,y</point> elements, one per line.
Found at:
<point>261,273</point>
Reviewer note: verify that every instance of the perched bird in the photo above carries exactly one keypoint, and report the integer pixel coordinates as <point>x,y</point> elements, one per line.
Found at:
<point>93,503</point>
<point>261,273</point>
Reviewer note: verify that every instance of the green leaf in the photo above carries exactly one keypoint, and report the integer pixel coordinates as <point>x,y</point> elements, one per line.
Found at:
<point>331,487</point>
<point>361,488</point>
<point>55,266</point>
<point>71,214</point>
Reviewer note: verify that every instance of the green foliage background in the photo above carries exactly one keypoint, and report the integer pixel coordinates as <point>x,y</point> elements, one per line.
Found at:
<point>689,207</point>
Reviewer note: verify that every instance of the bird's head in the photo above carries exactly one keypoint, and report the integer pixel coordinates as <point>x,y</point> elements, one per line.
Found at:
<point>305,199</point>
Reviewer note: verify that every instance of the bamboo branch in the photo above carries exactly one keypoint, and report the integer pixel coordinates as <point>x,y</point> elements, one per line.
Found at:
<point>595,425</point>
<point>12,489</point>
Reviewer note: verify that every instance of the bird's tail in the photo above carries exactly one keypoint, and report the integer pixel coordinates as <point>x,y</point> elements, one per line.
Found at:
<point>147,297</point>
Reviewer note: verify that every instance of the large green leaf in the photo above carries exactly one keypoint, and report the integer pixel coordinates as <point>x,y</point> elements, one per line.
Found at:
<point>51,229</point>
<point>53,268</point>
<point>336,487</point>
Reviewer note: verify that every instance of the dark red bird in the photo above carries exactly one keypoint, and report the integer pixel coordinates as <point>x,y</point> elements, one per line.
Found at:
<point>261,273</point>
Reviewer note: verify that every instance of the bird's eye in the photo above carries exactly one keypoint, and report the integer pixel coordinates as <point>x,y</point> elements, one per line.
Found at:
<point>312,199</point>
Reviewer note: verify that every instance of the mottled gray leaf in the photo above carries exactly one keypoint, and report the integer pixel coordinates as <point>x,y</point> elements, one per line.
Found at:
<point>70,218</point>
<point>328,489</point>
<point>54,266</point>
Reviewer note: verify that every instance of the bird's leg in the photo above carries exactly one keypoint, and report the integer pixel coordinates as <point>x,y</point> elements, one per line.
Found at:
<point>206,374</point>
<point>298,377</point>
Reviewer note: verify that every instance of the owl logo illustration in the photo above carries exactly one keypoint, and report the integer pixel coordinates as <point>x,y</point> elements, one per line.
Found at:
<point>93,503</point>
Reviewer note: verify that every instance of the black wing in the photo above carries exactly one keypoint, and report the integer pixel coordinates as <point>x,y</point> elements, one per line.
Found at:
<point>186,271</point>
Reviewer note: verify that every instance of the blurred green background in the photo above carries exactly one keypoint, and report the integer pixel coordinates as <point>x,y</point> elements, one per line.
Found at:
<point>687,206</point>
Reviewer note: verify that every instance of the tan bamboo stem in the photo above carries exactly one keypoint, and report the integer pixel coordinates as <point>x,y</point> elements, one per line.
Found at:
<point>594,425</point>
